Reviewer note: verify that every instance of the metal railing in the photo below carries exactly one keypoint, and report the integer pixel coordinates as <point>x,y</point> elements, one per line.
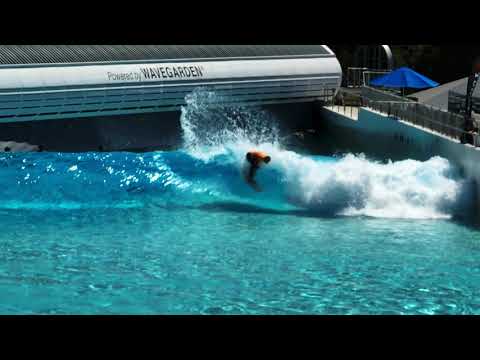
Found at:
<point>368,75</point>
<point>442,122</point>
<point>381,95</point>
<point>351,111</point>
<point>456,102</point>
<point>355,77</point>
<point>361,76</point>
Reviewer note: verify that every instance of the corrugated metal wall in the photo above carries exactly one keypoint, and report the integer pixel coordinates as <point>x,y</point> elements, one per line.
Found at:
<point>48,54</point>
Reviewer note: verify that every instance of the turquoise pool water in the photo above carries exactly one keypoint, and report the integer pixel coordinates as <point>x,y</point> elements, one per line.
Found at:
<point>179,232</point>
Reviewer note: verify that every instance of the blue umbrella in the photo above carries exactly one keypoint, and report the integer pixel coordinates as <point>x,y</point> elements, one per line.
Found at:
<point>404,78</point>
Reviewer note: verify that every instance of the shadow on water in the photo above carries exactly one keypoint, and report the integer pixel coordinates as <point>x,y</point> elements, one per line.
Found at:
<point>468,214</point>
<point>471,221</point>
<point>255,209</point>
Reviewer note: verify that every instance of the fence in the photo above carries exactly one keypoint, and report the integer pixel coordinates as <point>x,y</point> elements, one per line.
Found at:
<point>442,122</point>
<point>380,95</point>
<point>369,75</point>
<point>351,111</point>
<point>456,103</point>
<point>361,76</point>
<point>355,77</point>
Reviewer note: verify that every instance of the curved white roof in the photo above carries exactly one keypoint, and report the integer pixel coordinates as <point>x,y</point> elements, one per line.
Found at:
<point>128,84</point>
<point>170,73</point>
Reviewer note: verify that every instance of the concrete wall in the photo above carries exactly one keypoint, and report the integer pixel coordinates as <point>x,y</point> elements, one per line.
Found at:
<point>384,137</point>
<point>108,133</point>
<point>135,132</point>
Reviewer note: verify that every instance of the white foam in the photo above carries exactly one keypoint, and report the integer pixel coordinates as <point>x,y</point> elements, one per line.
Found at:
<point>211,127</point>
<point>351,186</point>
<point>357,186</point>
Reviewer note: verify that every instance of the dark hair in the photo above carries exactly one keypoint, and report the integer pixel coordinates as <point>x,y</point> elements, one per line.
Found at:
<point>6,149</point>
<point>249,157</point>
<point>267,159</point>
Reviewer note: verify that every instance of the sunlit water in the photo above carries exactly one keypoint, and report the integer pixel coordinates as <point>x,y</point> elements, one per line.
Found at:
<point>181,233</point>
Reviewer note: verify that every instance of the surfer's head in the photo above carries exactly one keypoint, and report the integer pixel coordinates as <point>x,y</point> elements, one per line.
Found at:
<point>257,157</point>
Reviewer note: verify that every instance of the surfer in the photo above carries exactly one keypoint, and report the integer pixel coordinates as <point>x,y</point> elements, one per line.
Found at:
<point>255,159</point>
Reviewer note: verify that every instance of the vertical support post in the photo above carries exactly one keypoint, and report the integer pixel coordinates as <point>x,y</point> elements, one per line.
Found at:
<point>469,125</point>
